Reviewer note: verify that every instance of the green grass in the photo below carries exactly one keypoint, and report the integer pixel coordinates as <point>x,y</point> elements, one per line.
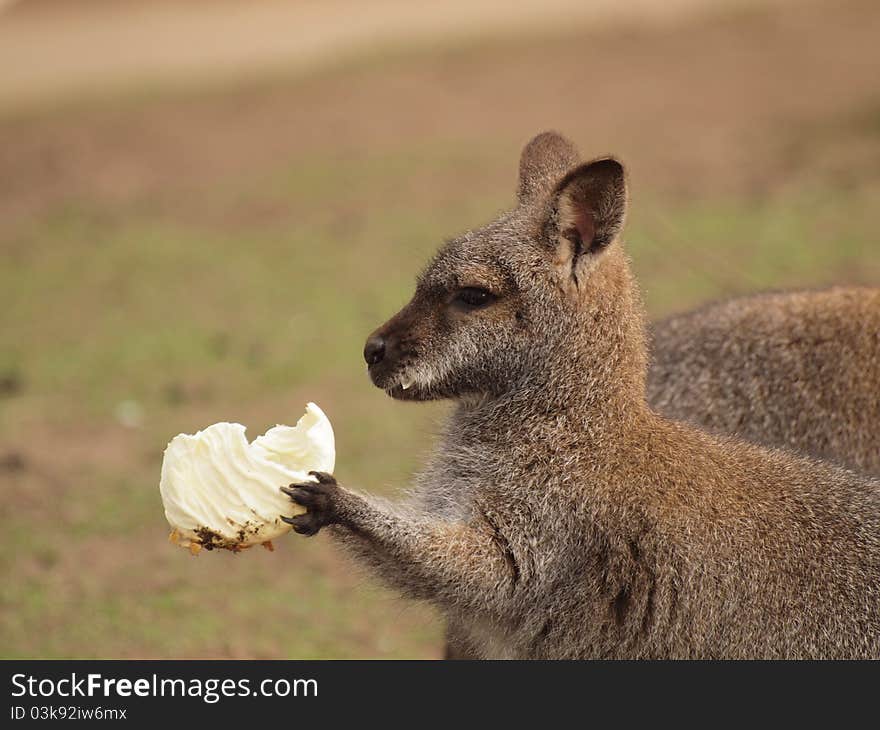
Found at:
<point>716,248</point>
<point>106,306</point>
<point>199,320</point>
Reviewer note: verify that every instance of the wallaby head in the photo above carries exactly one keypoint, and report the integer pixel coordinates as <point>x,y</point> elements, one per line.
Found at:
<point>498,308</point>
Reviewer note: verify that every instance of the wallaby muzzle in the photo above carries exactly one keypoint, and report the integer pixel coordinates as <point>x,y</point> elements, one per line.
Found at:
<point>390,349</point>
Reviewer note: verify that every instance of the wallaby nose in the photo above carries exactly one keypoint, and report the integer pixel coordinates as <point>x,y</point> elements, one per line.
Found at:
<point>374,350</point>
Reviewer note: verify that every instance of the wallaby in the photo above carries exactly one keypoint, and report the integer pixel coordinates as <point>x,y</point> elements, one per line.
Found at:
<point>799,370</point>
<point>560,517</point>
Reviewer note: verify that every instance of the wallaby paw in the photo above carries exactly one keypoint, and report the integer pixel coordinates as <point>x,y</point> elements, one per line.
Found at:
<point>318,498</point>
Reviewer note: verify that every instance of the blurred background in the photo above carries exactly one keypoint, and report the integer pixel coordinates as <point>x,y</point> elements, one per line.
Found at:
<point>206,206</point>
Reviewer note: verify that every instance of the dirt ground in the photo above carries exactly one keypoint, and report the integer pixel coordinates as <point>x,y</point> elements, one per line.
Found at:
<point>127,210</point>
<point>740,102</point>
<point>53,48</point>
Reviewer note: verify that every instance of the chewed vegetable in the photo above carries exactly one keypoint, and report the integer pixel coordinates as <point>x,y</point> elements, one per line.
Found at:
<point>220,491</point>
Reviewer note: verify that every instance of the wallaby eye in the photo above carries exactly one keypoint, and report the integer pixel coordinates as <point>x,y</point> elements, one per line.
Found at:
<point>473,297</point>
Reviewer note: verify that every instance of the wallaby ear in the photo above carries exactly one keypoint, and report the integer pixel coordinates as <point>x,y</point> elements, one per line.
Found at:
<point>543,161</point>
<point>589,210</point>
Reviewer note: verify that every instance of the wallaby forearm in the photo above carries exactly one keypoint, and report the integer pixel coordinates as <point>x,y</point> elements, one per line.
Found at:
<point>454,564</point>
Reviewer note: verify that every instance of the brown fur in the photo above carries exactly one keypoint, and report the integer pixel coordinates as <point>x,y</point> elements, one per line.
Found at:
<point>798,370</point>
<point>560,517</point>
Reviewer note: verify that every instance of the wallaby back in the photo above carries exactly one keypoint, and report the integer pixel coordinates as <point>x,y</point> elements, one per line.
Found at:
<point>797,370</point>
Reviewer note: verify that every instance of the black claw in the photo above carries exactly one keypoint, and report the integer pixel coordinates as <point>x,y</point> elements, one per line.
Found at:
<point>307,530</point>
<point>301,496</point>
<point>307,486</point>
<point>304,500</point>
<point>305,525</point>
<point>297,488</point>
<point>323,477</point>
